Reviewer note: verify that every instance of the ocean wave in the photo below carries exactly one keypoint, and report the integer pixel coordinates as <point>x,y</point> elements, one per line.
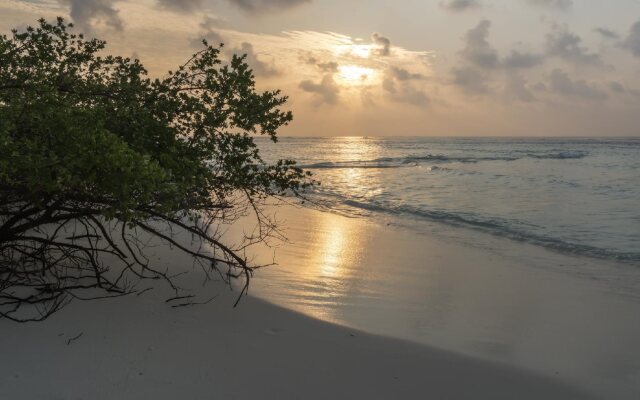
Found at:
<point>399,162</point>
<point>495,226</point>
<point>563,155</point>
<point>351,164</point>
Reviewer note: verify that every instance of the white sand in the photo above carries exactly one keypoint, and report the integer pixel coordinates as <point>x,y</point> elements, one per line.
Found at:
<point>570,318</point>
<point>542,315</point>
<point>139,348</point>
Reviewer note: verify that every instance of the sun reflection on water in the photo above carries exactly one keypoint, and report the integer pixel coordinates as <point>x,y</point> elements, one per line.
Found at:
<point>321,268</point>
<point>338,249</point>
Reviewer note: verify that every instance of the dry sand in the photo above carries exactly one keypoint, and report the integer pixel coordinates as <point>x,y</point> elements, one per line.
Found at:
<point>139,348</point>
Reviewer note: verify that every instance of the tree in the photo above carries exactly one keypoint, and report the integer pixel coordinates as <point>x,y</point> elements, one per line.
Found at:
<point>95,153</point>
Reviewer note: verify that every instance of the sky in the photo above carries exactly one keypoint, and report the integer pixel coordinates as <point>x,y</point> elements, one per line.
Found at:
<point>397,68</point>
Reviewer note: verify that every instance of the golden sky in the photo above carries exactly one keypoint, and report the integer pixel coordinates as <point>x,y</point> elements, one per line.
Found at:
<point>411,67</point>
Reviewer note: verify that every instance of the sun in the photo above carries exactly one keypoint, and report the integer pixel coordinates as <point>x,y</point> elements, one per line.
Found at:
<point>354,50</point>
<point>355,75</point>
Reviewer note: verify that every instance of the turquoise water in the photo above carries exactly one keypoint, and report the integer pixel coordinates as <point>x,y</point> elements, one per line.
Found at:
<point>578,196</point>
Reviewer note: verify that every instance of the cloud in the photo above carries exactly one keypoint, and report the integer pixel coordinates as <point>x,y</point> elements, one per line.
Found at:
<point>479,59</point>
<point>470,80</point>
<point>607,33</point>
<point>478,51</point>
<point>411,95</point>
<point>208,33</point>
<point>260,68</point>
<point>567,46</point>
<point>616,87</point>
<point>208,23</point>
<point>327,67</point>
<point>259,6</point>
<point>516,88</point>
<point>331,66</point>
<point>85,12</point>
<point>460,5</point>
<point>619,89</point>
<point>632,41</point>
<point>560,83</point>
<point>482,62</point>
<point>383,42</point>
<point>558,4</point>
<point>518,60</point>
<point>327,90</point>
<point>402,74</point>
<point>181,5</point>
<point>398,86</point>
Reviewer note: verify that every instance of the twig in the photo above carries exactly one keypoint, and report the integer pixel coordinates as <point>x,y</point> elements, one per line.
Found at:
<point>74,338</point>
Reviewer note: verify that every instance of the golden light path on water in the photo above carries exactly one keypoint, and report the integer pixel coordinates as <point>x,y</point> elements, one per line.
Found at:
<point>336,243</point>
<point>443,286</point>
<point>323,262</point>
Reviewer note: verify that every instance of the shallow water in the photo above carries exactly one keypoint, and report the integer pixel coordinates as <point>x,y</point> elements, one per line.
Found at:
<point>564,316</point>
<point>523,251</point>
<point>576,196</point>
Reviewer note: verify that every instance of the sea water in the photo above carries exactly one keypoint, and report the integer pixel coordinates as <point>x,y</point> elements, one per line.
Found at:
<point>519,250</point>
<point>578,196</point>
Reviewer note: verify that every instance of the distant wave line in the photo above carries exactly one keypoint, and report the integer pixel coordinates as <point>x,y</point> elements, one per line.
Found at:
<point>399,162</point>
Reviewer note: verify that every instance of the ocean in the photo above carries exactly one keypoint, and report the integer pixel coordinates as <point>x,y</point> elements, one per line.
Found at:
<point>520,251</point>
<point>577,196</point>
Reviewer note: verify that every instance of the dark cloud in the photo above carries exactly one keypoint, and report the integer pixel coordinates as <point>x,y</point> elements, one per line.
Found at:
<point>209,23</point>
<point>398,86</point>
<point>478,51</point>
<point>212,37</point>
<point>383,42</point>
<point>607,33</point>
<point>558,4</point>
<point>479,60</point>
<point>310,60</point>
<point>519,60</point>
<point>616,87</point>
<point>460,5</point>
<point>482,64</point>
<point>411,95</point>
<point>258,6</point>
<point>540,86</point>
<point>620,89</point>
<point>632,41</point>
<point>389,85</point>
<point>560,83</point>
<point>181,5</point>
<point>516,88</point>
<point>208,33</point>
<point>260,68</point>
<point>327,90</point>
<point>470,80</point>
<point>85,12</point>
<point>565,45</point>
<point>402,74</point>
<point>328,66</point>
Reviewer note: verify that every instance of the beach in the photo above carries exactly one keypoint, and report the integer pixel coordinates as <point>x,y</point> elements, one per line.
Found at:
<point>139,348</point>
<point>488,335</point>
<point>299,199</point>
<point>567,317</point>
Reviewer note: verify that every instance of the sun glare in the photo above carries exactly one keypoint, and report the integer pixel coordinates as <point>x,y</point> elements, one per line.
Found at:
<point>355,75</point>
<point>354,50</point>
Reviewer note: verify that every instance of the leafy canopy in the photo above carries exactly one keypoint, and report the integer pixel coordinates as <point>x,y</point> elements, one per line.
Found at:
<point>92,138</point>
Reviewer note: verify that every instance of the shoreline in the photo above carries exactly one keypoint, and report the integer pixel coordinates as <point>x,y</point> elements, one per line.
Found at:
<point>492,328</point>
<point>139,348</point>
<point>475,294</point>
